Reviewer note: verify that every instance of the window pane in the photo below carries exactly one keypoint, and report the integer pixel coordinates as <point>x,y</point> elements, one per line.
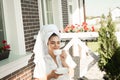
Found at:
<point>49,5</point>
<point>1,23</point>
<point>50,18</point>
<point>70,8</point>
<point>49,11</point>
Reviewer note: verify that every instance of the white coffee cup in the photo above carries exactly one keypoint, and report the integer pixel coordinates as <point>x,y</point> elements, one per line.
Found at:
<point>57,52</point>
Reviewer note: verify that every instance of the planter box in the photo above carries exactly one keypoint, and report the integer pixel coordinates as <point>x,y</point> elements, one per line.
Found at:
<point>4,55</point>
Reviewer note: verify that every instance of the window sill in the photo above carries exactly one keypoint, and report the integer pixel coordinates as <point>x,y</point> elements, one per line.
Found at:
<point>13,63</point>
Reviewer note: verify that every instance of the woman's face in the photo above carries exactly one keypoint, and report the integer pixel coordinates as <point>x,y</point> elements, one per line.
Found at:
<point>53,43</point>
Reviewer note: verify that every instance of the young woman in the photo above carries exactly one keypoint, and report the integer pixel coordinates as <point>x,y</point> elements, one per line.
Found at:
<point>46,62</point>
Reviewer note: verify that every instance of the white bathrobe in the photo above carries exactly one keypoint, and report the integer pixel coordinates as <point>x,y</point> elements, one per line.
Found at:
<point>44,64</point>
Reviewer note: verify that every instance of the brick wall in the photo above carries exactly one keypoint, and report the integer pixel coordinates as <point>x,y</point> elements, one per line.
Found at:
<point>30,21</point>
<point>64,12</point>
<point>24,73</point>
<point>31,27</point>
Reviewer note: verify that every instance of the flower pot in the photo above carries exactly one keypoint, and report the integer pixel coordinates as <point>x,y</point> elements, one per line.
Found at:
<point>4,55</point>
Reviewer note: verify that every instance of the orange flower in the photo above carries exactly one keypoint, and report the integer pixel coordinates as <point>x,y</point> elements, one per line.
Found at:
<point>84,24</point>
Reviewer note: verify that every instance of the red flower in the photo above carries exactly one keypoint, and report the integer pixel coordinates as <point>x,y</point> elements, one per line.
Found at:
<point>4,46</point>
<point>4,41</point>
<point>93,29</point>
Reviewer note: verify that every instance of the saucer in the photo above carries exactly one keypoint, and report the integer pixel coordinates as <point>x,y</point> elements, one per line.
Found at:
<point>61,70</point>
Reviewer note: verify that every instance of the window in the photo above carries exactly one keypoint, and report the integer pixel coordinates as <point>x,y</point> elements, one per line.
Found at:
<point>47,11</point>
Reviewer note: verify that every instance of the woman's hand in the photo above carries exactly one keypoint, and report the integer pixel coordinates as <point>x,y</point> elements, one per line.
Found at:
<point>63,57</point>
<point>53,75</point>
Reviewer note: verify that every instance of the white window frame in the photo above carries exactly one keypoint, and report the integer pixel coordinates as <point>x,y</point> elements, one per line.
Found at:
<point>15,37</point>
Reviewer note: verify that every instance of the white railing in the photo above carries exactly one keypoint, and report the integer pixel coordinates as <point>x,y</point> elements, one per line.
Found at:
<point>80,49</point>
<point>85,35</point>
<point>80,35</point>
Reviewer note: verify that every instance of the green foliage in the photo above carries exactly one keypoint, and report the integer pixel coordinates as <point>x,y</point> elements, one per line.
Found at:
<point>107,47</point>
<point>113,66</point>
<point>103,16</point>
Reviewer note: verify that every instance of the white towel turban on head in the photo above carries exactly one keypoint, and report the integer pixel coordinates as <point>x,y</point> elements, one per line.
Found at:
<point>47,31</point>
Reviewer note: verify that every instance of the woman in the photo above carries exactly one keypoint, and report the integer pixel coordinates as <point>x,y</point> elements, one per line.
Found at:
<point>46,62</point>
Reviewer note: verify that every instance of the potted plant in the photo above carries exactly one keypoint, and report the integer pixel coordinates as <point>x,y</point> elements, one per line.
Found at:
<point>4,50</point>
